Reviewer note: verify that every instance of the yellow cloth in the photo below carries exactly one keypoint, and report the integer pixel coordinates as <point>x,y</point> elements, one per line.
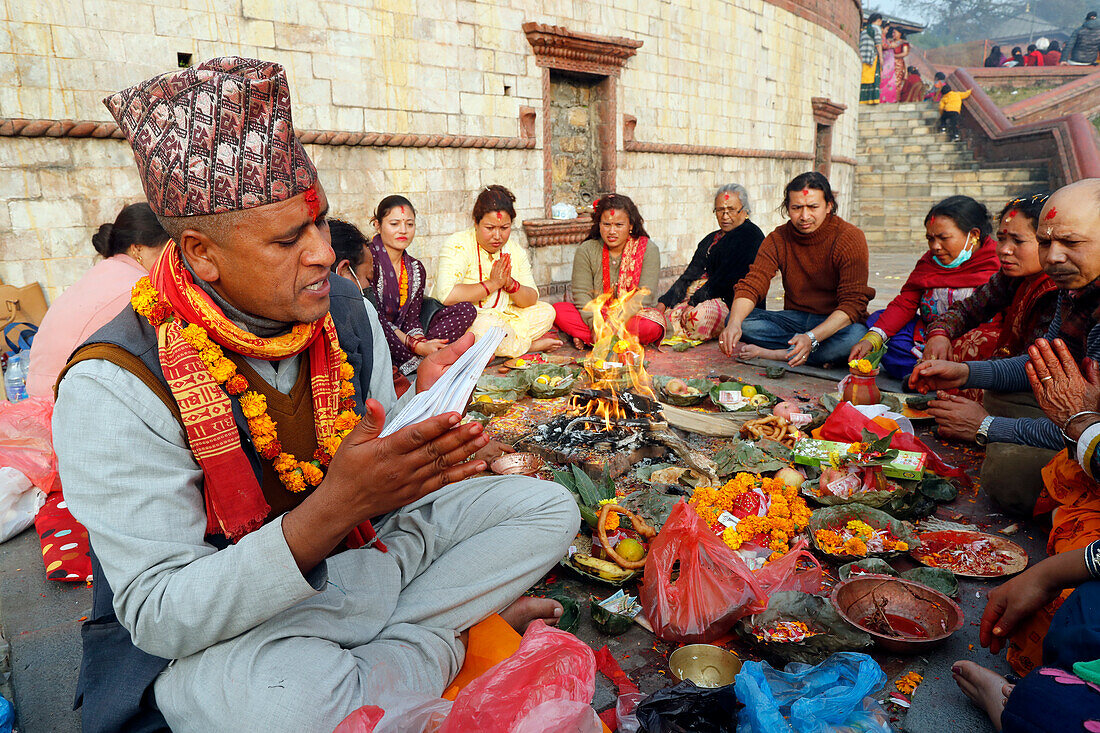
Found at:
<point>867,74</point>
<point>953,101</point>
<point>458,265</point>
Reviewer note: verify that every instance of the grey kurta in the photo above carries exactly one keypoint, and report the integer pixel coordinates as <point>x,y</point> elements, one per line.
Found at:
<point>256,645</point>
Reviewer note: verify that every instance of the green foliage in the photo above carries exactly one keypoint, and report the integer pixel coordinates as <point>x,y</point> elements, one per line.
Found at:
<point>587,493</point>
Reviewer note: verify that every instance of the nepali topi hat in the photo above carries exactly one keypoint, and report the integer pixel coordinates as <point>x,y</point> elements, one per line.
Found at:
<point>214,137</point>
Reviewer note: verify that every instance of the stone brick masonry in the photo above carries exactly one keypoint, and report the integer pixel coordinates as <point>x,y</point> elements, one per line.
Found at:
<point>729,75</point>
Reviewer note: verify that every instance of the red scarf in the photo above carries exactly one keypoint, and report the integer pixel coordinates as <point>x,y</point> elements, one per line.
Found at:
<point>630,266</point>
<point>235,503</point>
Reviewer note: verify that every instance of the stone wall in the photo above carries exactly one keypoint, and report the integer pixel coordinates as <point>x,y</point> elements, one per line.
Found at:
<point>731,75</point>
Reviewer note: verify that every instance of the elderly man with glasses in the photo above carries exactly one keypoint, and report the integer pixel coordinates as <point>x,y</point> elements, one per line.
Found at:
<point>698,302</point>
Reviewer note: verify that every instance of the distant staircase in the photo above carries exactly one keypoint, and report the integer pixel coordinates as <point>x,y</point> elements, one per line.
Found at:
<point>905,165</point>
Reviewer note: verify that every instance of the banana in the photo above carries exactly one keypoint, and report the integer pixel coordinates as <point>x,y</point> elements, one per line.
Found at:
<point>605,569</point>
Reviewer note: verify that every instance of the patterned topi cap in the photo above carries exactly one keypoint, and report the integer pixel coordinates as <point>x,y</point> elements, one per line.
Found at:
<point>215,137</point>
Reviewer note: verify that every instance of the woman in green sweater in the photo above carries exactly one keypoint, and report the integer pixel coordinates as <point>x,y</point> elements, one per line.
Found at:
<point>617,259</point>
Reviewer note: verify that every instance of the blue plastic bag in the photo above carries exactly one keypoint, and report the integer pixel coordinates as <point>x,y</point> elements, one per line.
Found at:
<point>7,715</point>
<point>834,696</point>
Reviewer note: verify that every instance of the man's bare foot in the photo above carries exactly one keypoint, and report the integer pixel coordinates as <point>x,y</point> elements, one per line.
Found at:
<point>579,345</point>
<point>752,351</point>
<point>546,343</point>
<point>985,688</point>
<point>527,608</point>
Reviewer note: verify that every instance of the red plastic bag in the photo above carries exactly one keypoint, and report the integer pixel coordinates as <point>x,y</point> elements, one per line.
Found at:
<point>847,424</point>
<point>546,685</point>
<point>26,441</point>
<point>362,720</point>
<point>785,573</point>
<point>714,589</point>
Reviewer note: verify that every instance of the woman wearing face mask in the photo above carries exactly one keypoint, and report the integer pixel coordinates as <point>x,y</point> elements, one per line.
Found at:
<point>961,257</point>
<point>483,267</point>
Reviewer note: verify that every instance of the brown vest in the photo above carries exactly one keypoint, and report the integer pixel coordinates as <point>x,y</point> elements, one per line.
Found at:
<point>293,413</point>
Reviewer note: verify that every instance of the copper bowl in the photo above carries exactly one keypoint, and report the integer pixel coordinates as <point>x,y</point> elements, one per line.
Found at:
<point>704,664</point>
<point>909,606</point>
<point>527,464</point>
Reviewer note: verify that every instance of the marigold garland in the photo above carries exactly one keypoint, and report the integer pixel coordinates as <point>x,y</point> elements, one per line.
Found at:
<point>787,513</point>
<point>403,283</point>
<point>854,537</point>
<point>295,474</point>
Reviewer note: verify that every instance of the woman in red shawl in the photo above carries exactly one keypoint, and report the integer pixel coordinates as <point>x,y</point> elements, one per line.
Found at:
<point>913,89</point>
<point>961,257</point>
<point>617,259</point>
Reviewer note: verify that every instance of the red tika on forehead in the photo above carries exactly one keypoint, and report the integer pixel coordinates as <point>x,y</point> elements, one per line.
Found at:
<point>1012,214</point>
<point>1051,214</point>
<point>805,192</point>
<point>931,220</point>
<point>402,210</point>
<point>313,203</point>
<point>500,216</point>
<point>725,197</point>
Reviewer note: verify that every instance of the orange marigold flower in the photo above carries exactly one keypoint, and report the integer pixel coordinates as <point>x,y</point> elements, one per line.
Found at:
<point>346,421</point>
<point>237,384</point>
<point>332,443</point>
<point>294,481</point>
<point>855,546</point>
<point>223,370</point>
<point>262,426</point>
<point>321,456</point>
<point>253,404</point>
<point>346,371</point>
<point>348,404</point>
<point>346,390</point>
<point>271,450</point>
<point>311,473</point>
<point>159,313</point>
<point>285,463</point>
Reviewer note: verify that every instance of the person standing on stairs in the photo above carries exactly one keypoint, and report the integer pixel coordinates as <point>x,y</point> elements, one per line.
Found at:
<point>870,54</point>
<point>950,107</point>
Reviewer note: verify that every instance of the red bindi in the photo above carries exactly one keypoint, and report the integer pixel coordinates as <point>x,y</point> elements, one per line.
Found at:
<point>313,203</point>
<point>1003,232</point>
<point>1051,214</point>
<point>1012,214</point>
<point>805,192</point>
<point>500,216</point>
<point>726,197</point>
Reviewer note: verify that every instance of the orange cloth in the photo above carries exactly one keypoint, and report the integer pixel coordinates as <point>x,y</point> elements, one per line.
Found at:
<point>1074,498</point>
<point>491,641</point>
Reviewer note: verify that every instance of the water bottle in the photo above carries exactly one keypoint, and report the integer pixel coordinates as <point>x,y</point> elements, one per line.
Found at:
<point>15,378</point>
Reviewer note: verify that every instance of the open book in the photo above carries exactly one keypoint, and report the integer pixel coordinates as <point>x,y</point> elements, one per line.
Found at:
<point>453,390</point>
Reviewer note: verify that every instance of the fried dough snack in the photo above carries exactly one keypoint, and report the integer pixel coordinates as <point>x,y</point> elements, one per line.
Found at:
<point>771,427</point>
<point>636,522</point>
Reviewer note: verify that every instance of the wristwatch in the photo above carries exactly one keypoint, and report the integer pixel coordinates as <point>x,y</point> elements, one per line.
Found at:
<point>813,341</point>
<point>982,436</point>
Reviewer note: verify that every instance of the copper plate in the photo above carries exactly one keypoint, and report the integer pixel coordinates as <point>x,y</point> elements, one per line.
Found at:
<point>937,614</point>
<point>934,541</point>
<point>526,464</point>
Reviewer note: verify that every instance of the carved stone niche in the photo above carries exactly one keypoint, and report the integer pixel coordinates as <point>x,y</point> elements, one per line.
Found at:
<point>566,57</point>
<point>825,113</point>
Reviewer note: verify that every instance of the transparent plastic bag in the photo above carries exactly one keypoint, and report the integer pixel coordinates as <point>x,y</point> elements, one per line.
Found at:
<point>714,589</point>
<point>834,696</point>
<point>26,441</point>
<point>19,502</point>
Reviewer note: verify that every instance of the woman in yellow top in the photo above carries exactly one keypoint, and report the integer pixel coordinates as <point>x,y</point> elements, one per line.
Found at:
<point>481,266</point>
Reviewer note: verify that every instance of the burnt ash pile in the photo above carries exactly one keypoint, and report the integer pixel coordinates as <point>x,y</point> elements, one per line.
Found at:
<point>587,427</point>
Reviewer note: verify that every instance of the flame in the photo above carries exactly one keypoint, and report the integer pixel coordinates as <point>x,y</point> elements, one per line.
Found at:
<point>616,351</point>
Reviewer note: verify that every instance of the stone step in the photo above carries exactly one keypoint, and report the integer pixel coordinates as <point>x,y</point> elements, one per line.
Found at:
<point>905,147</point>
<point>914,162</point>
<point>893,128</point>
<point>982,176</point>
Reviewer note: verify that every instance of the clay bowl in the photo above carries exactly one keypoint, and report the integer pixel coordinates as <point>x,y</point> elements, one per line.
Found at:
<point>704,664</point>
<point>910,606</point>
<point>526,464</point>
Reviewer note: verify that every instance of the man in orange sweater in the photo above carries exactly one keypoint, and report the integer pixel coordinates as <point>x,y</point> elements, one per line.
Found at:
<point>823,261</point>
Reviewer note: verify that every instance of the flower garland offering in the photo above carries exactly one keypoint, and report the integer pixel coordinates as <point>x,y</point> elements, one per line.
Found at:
<point>857,538</point>
<point>293,472</point>
<point>750,512</point>
<point>784,632</point>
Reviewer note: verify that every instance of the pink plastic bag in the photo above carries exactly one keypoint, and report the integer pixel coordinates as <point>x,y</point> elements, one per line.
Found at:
<point>26,441</point>
<point>714,589</point>
<point>546,685</point>
<point>362,720</point>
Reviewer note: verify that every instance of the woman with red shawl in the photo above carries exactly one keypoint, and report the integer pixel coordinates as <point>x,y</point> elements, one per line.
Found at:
<point>961,257</point>
<point>617,259</point>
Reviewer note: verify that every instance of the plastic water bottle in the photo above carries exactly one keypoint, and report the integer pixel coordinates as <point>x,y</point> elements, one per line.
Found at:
<point>15,378</point>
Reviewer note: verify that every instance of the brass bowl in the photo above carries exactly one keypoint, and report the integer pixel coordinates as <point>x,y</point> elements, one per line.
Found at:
<point>527,464</point>
<point>704,664</point>
<point>907,603</point>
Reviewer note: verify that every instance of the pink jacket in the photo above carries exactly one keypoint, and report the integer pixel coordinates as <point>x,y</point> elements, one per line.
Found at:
<point>80,311</point>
